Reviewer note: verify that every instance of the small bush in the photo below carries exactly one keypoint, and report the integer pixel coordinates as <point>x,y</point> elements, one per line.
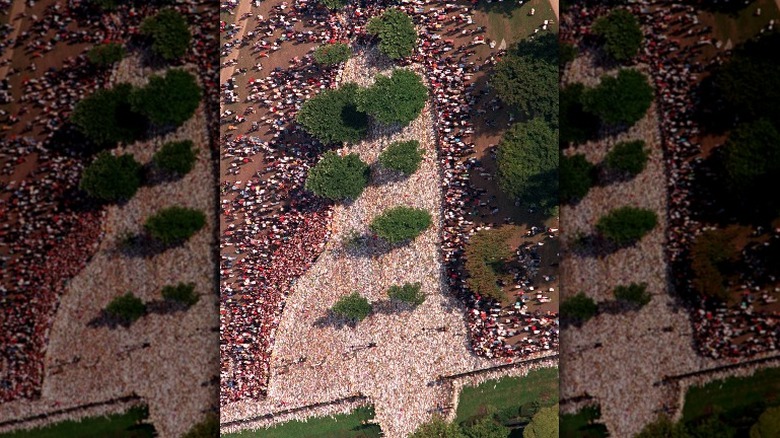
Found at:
<point>396,32</point>
<point>176,157</point>
<point>401,223</point>
<point>620,33</point>
<point>578,308</point>
<point>338,178</point>
<point>104,55</point>
<point>621,100</point>
<point>110,178</point>
<point>168,100</point>
<point>577,177</point>
<point>627,225</point>
<point>333,116</point>
<point>169,33</point>
<point>408,293</point>
<point>175,224</point>
<point>634,293</point>
<point>627,158</point>
<point>403,156</point>
<point>353,307</point>
<point>126,308</point>
<point>331,54</point>
<point>398,98</point>
<point>183,293</point>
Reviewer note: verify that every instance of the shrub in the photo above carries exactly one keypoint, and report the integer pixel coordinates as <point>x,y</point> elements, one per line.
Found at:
<point>106,117</point>
<point>528,164</point>
<point>175,224</point>
<point>396,99</point>
<point>354,307</point>
<point>176,157</point>
<point>627,158</point>
<point>338,178</point>
<point>330,54</point>
<point>634,293</point>
<point>183,293</point>
<point>169,33</point>
<point>622,100</point>
<point>544,424</point>
<point>403,156</point>
<point>111,178</point>
<point>485,427</point>
<point>577,177</point>
<point>408,293</point>
<point>438,427</point>
<point>579,308</point>
<point>127,308</point>
<point>620,33</point>
<point>711,253</point>
<point>401,223</point>
<point>485,254</point>
<point>396,32</point>
<point>626,225</point>
<point>168,100</point>
<point>106,54</point>
<point>333,116</point>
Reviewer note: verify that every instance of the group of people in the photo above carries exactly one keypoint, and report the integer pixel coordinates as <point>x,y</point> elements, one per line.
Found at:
<point>267,214</point>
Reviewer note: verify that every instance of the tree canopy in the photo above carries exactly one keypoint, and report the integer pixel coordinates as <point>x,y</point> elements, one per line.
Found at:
<point>333,116</point>
<point>620,33</point>
<point>338,178</point>
<point>168,100</point>
<point>408,293</point>
<point>402,223</point>
<point>485,254</point>
<point>628,158</point>
<point>402,156</point>
<point>544,424</point>
<point>578,308</point>
<point>626,225</point>
<point>176,157</point>
<point>576,124</point>
<point>711,254</point>
<point>331,54</point>
<point>106,54</point>
<point>486,427</point>
<point>396,32</point>
<point>174,225</point>
<point>169,33</point>
<point>621,100</point>
<point>768,424</point>
<point>663,428</point>
<point>438,428</point>
<point>751,161</point>
<point>528,164</point>
<point>127,308</point>
<point>634,293</point>
<point>398,98</point>
<point>106,117</point>
<point>354,307</point>
<point>183,293</point>
<point>577,177</point>
<point>111,178</point>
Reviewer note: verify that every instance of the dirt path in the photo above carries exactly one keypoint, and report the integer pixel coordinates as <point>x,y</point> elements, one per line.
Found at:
<point>554,4</point>
<point>244,6</point>
<point>16,9</point>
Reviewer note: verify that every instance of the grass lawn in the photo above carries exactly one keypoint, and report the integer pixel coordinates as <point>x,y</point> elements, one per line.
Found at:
<point>743,25</point>
<point>113,426</point>
<point>340,426</point>
<point>507,21</point>
<point>582,424</point>
<point>734,397</point>
<point>539,385</point>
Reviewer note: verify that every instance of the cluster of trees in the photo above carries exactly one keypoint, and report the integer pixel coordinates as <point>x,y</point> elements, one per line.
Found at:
<point>332,54</point>
<point>485,256</point>
<point>168,100</point>
<point>402,156</point>
<point>399,224</point>
<point>625,226</point>
<point>338,178</point>
<point>620,34</point>
<point>168,33</point>
<point>409,293</point>
<point>352,307</point>
<point>534,422</point>
<point>396,33</point>
<point>714,425</point>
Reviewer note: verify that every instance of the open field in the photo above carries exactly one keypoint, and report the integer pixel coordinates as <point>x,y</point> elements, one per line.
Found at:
<point>126,425</point>
<point>733,396</point>
<point>350,425</point>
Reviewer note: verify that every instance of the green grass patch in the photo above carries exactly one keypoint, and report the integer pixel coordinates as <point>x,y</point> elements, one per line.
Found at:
<point>510,392</point>
<point>744,25</point>
<point>127,425</point>
<point>734,396</point>
<point>339,426</point>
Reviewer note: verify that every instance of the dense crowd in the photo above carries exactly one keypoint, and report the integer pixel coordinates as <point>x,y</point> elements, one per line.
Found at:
<point>269,215</point>
<point>49,230</point>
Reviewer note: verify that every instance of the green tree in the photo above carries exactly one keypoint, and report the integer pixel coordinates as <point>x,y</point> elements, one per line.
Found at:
<point>620,33</point>
<point>398,98</point>
<point>174,225</point>
<point>333,117</point>
<point>396,32</point>
<point>621,100</point>
<point>168,100</point>
<point>176,157</point>
<point>711,254</point>
<point>576,125</point>
<point>399,224</point>
<point>768,424</point>
<point>544,424</point>
<point>577,177</point>
<point>438,428</point>
<point>338,178</point>
<point>578,308</point>
<point>626,225</point>
<point>207,428</point>
<point>111,178</point>
<point>353,307</point>
<point>528,163</point>
<point>331,54</point>
<point>485,255</point>
<point>486,427</point>
<point>567,52</point>
<point>663,428</point>
<point>408,293</point>
<point>106,117</point>
<point>628,158</point>
<point>751,161</point>
<point>107,54</point>
<point>126,308</point>
<point>634,293</point>
<point>169,33</point>
<point>711,427</point>
<point>403,156</point>
<point>183,293</point>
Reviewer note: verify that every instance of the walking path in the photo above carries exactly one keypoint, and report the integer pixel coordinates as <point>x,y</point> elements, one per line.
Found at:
<point>17,7</point>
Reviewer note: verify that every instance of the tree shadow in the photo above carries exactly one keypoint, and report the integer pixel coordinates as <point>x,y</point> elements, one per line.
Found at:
<point>106,320</point>
<point>139,245</point>
<point>392,307</point>
<point>594,246</point>
<point>337,322</point>
<point>366,246</point>
<point>154,176</point>
<point>381,176</point>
